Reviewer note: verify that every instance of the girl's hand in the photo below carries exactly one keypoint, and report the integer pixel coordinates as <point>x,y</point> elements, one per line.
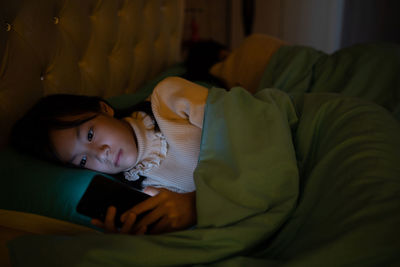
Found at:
<point>167,211</point>
<point>109,226</point>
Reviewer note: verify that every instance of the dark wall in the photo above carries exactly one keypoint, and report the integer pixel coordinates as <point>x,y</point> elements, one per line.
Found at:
<point>370,21</point>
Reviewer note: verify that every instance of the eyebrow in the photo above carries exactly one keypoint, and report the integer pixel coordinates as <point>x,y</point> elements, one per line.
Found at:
<point>78,136</point>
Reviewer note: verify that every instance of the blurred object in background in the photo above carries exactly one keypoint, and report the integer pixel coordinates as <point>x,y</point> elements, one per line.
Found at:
<point>201,55</point>
<point>207,20</point>
<point>248,16</point>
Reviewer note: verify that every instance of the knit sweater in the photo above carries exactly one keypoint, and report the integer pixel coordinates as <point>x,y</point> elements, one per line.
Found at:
<point>168,158</point>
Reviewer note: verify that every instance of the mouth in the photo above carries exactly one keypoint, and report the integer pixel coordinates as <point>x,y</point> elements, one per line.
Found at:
<point>117,158</point>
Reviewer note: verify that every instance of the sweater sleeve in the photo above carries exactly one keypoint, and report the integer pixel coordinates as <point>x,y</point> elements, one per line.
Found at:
<point>177,99</point>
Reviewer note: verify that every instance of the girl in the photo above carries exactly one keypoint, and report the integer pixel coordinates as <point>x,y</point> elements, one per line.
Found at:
<point>161,143</point>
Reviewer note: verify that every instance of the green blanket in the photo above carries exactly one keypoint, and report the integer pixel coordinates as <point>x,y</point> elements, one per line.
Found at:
<point>369,71</point>
<point>308,184</point>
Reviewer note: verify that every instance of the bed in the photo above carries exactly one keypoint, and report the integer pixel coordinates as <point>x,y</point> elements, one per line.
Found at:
<point>285,177</point>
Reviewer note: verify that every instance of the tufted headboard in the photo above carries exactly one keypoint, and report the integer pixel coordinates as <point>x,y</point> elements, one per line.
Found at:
<point>94,47</point>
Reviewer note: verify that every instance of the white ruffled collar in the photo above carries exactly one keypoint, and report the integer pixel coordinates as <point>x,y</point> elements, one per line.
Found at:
<point>152,145</point>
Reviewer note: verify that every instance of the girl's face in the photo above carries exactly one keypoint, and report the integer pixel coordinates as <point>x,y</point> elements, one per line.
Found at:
<point>103,144</point>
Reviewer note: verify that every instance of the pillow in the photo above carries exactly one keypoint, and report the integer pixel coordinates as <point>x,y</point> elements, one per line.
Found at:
<point>34,186</point>
<point>245,65</point>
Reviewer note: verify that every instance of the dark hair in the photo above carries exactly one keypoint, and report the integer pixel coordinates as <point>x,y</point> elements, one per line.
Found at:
<point>30,134</point>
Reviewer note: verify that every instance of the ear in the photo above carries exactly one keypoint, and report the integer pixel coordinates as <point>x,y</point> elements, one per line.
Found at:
<point>106,108</point>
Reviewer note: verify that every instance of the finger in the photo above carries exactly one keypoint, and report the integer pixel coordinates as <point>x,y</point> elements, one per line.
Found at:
<point>140,231</point>
<point>126,228</point>
<point>150,203</point>
<point>162,226</point>
<point>144,206</point>
<point>150,218</point>
<point>109,220</point>
<point>97,223</point>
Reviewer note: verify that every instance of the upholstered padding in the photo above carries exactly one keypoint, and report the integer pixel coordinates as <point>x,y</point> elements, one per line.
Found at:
<point>95,47</point>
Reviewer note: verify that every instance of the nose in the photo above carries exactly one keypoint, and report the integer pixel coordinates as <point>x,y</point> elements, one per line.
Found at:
<point>102,153</point>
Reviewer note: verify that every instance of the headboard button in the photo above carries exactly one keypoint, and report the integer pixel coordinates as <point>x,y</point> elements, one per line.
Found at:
<point>8,27</point>
<point>56,20</point>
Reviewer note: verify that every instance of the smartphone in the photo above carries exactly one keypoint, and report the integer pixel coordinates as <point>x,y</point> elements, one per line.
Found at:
<point>103,192</point>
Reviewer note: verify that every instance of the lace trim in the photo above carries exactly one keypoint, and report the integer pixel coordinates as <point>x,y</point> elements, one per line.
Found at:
<point>157,150</point>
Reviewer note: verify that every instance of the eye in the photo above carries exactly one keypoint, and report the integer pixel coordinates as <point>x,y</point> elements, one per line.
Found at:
<point>83,162</point>
<point>90,135</point>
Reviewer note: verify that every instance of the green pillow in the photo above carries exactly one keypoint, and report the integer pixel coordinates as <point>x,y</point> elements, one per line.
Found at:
<point>35,186</point>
